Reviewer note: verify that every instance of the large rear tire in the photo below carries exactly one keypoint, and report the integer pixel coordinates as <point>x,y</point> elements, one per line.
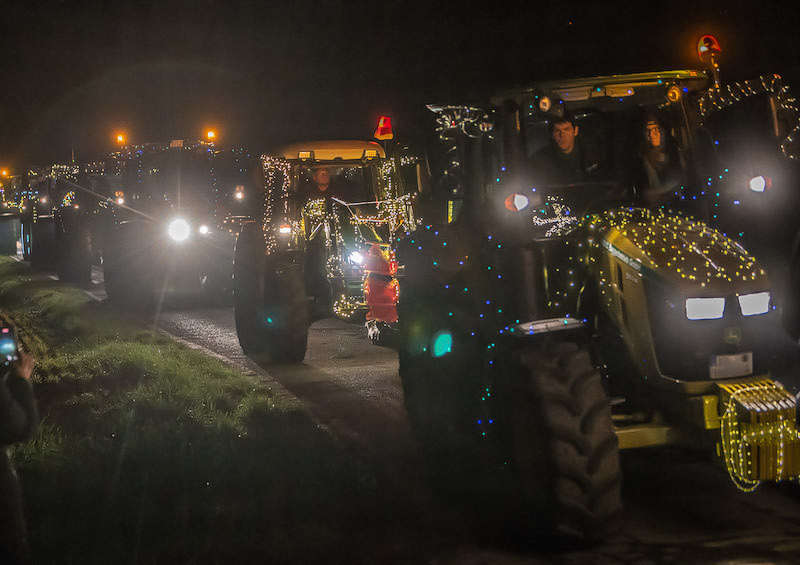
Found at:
<point>43,240</point>
<point>565,450</point>
<point>127,267</point>
<point>74,263</point>
<point>270,303</point>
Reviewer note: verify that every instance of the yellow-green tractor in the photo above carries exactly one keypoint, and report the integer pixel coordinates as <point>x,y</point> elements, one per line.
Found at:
<point>324,246</point>
<point>546,326</point>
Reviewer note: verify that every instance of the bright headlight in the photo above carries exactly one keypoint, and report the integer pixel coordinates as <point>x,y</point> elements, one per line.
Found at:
<point>517,202</point>
<point>356,257</point>
<point>203,230</point>
<point>179,229</point>
<point>756,303</point>
<point>760,183</point>
<point>705,308</point>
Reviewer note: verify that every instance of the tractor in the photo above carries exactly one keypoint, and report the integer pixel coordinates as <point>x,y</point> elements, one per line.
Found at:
<point>324,246</point>
<point>547,326</point>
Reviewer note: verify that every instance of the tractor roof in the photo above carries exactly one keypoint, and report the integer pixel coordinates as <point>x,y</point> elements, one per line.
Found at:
<point>333,150</point>
<point>608,85</point>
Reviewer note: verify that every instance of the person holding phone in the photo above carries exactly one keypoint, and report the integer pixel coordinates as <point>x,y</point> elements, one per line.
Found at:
<point>18,421</point>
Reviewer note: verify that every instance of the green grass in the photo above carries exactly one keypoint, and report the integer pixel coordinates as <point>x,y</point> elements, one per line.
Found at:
<point>151,452</point>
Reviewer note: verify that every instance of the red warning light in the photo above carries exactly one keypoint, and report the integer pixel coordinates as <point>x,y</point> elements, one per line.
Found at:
<point>384,129</point>
<point>708,46</point>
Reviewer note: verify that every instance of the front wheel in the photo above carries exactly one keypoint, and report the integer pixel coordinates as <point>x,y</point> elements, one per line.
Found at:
<point>565,450</point>
<point>270,303</point>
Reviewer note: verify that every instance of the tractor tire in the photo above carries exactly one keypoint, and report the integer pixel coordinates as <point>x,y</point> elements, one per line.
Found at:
<point>74,264</point>
<point>566,454</point>
<point>127,272</point>
<point>270,303</point>
<point>43,240</point>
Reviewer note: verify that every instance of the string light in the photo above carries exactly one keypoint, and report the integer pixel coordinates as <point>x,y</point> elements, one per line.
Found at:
<point>723,96</point>
<point>758,434</point>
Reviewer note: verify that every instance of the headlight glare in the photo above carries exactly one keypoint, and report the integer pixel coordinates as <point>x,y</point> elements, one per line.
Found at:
<point>203,230</point>
<point>760,183</point>
<point>705,308</point>
<point>756,303</point>
<point>356,257</point>
<point>179,229</point>
<point>516,202</point>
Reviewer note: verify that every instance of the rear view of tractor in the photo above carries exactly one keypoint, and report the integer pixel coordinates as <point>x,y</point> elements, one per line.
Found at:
<point>324,246</point>
<point>546,326</point>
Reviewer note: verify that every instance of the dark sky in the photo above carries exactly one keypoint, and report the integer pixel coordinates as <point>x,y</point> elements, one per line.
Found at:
<point>265,72</point>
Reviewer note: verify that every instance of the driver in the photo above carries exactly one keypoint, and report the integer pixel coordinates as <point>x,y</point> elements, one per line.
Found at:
<point>324,185</point>
<point>564,160</point>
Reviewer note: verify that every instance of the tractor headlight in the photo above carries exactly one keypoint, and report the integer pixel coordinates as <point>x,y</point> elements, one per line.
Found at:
<point>705,308</point>
<point>356,257</point>
<point>756,303</point>
<point>179,230</point>
<point>516,202</point>
<point>203,230</point>
<point>760,183</point>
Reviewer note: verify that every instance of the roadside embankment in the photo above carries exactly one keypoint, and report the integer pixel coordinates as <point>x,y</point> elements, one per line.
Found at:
<point>149,451</point>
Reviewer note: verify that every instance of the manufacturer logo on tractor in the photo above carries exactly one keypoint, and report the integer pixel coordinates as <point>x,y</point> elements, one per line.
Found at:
<point>732,335</point>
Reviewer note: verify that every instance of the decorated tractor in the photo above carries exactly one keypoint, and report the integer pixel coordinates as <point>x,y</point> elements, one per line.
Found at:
<point>324,247</point>
<point>554,315</point>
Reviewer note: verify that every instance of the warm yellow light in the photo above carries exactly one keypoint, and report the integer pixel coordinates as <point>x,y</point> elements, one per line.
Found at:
<point>120,138</point>
<point>211,134</point>
<point>4,172</point>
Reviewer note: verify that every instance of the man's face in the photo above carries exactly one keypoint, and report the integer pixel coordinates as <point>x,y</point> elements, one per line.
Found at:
<point>653,133</point>
<point>322,178</point>
<point>564,135</point>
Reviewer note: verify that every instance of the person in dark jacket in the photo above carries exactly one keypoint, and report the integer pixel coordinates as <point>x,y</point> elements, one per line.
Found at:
<point>18,421</point>
<point>564,160</point>
<point>660,167</point>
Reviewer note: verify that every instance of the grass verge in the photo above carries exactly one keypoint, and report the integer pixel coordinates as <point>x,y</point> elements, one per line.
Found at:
<point>150,452</point>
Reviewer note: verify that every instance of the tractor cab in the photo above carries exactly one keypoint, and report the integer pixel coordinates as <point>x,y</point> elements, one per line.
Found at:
<point>632,130</point>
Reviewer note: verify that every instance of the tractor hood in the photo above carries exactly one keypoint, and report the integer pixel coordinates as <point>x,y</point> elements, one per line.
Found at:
<point>681,252</point>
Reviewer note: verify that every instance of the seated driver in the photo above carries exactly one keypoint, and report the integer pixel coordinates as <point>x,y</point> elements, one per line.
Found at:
<point>564,160</point>
<point>325,185</point>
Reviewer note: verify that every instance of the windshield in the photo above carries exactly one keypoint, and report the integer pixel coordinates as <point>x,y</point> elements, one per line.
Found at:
<point>349,183</point>
<point>636,146</point>
<point>191,179</point>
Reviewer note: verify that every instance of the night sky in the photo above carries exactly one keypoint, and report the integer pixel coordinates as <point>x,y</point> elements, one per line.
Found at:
<point>266,72</point>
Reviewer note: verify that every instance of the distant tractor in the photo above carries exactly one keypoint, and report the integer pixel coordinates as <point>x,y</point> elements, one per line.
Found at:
<point>158,217</point>
<point>183,206</point>
<point>333,211</point>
